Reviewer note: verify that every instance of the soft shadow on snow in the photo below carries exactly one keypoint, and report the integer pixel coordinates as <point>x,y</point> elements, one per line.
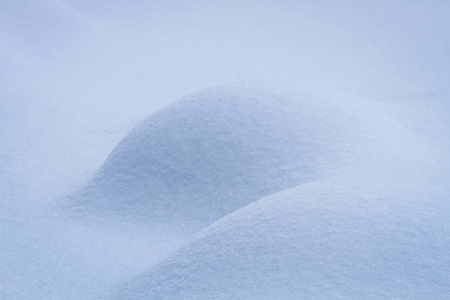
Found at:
<point>215,151</point>
<point>360,204</point>
<point>333,239</point>
<point>374,227</point>
<point>321,195</point>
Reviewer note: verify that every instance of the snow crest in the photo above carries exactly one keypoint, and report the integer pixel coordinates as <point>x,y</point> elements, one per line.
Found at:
<point>215,151</point>
<point>355,207</point>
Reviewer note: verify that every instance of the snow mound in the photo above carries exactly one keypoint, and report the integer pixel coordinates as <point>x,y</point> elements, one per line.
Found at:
<point>333,239</point>
<point>369,221</point>
<point>215,151</point>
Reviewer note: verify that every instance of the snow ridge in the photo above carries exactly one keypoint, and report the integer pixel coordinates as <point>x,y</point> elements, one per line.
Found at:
<point>215,151</point>
<point>373,228</point>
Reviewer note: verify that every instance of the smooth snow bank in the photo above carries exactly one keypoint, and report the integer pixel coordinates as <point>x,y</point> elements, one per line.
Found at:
<point>215,151</point>
<point>345,238</point>
<point>369,221</point>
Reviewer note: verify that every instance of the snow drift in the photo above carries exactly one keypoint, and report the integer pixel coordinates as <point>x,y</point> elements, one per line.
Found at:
<point>361,212</point>
<point>78,74</point>
<point>333,239</point>
<point>215,151</point>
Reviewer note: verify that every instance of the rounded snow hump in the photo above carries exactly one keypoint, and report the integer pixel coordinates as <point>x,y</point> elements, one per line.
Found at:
<point>217,150</point>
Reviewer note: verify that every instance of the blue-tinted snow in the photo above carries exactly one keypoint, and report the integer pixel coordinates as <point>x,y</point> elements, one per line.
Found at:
<point>217,150</point>
<point>333,239</point>
<point>375,227</point>
<point>77,76</point>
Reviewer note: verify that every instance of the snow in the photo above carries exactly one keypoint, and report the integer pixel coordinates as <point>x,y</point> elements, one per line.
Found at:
<point>363,231</point>
<point>324,240</point>
<point>219,195</point>
<point>217,150</point>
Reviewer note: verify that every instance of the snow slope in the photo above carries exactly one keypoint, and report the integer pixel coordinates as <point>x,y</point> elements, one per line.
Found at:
<point>331,239</point>
<point>220,149</point>
<point>370,220</point>
<point>77,75</point>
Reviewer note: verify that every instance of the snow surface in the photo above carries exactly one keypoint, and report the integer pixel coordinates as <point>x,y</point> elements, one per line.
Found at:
<point>332,239</point>
<point>374,227</point>
<point>217,150</point>
<point>77,76</point>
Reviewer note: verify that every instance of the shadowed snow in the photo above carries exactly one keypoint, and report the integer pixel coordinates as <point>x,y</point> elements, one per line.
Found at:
<point>217,150</point>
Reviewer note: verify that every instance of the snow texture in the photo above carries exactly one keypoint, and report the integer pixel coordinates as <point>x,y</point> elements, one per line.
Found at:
<point>241,191</point>
<point>347,228</point>
<point>217,150</point>
<point>332,239</point>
